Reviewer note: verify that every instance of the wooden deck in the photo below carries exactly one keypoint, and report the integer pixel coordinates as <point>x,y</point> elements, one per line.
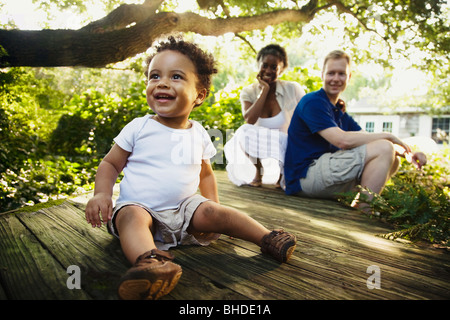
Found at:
<point>335,248</point>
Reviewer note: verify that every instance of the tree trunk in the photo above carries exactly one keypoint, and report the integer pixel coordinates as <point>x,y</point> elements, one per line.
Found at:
<point>96,47</point>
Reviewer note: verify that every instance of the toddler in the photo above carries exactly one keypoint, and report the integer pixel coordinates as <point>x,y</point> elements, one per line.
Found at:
<point>165,160</point>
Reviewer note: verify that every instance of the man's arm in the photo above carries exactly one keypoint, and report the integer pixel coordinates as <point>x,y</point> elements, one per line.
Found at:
<point>352,139</point>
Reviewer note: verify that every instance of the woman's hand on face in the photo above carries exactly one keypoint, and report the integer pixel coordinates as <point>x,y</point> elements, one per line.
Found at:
<point>262,83</point>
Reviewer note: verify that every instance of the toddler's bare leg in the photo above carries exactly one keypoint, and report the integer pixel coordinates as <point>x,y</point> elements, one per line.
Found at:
<point>133,224</point>
<point>213,217</point>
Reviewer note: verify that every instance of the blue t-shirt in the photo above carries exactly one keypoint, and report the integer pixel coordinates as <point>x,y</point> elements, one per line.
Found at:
<point>313,113</point>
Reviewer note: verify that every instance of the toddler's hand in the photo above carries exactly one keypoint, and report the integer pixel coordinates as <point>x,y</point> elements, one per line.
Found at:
<point>99,209</point>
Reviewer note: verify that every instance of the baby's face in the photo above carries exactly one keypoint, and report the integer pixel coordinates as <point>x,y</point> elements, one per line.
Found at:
<point>172,85</point>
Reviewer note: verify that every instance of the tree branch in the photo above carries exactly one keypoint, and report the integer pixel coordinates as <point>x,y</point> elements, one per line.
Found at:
<point>191,22</point>
<point>56,48</point>
<point>123,16</point>
<point>108,41</point>
<point>246,42</point>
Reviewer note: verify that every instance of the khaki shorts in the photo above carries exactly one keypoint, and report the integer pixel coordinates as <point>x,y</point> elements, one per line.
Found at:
<point>170,226</point>
<point>334,173</point>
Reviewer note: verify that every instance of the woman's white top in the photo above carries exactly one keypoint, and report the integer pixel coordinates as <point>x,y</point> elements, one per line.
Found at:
<point>265,140</point>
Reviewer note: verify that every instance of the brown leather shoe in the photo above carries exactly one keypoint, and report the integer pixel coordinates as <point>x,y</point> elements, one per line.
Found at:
<point>152,276</point>
<point>279,244</point>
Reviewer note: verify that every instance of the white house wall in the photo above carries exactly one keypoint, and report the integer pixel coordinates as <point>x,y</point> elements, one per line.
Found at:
<point>378,120</point>
<point>425,126</point>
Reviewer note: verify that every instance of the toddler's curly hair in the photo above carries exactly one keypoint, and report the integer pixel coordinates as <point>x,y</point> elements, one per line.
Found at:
<point>204,62</point>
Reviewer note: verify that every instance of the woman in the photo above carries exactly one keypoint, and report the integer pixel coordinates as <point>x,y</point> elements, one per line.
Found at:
<point>255,154</point>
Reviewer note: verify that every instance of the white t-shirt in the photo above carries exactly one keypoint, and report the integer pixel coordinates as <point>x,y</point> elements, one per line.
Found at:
<point>164,166</point>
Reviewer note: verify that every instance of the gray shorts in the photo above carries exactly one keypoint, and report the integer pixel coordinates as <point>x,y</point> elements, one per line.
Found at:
<point>170,226</point>
<point>334,173</point>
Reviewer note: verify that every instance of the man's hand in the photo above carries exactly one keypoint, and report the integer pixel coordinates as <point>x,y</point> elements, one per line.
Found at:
<point>418,159</point>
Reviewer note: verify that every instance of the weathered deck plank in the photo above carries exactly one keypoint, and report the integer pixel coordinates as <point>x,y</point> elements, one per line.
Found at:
<point>335,247</point>
<point>28,270</point>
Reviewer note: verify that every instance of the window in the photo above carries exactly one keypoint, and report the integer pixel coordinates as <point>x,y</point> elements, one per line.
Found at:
<point>440,130</point>
<point>387,127</point>
<point>370,126</point>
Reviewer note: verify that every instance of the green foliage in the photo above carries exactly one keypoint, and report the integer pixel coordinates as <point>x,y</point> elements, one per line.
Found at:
<point>95,119</point>
<point>24,124</point>
<point>38,180</point>
<point>417,202</point>
<point>303,76</point>
<point>29,174</point>
<point>223,111</point>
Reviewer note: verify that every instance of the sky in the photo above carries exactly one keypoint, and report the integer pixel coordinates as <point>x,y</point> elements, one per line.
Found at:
<point>26,16</point>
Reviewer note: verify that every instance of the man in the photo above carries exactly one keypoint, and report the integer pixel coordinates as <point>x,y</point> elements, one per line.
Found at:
<point>327,150</point>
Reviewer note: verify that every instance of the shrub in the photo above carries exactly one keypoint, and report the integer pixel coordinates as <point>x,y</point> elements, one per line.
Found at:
<point>417,202</point>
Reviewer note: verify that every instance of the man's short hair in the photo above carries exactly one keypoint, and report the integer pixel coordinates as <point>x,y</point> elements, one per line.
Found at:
<point>336,54</point>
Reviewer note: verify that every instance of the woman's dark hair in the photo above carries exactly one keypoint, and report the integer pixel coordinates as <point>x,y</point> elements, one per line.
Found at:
<point>275,50</point>
<point>204,62</point>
